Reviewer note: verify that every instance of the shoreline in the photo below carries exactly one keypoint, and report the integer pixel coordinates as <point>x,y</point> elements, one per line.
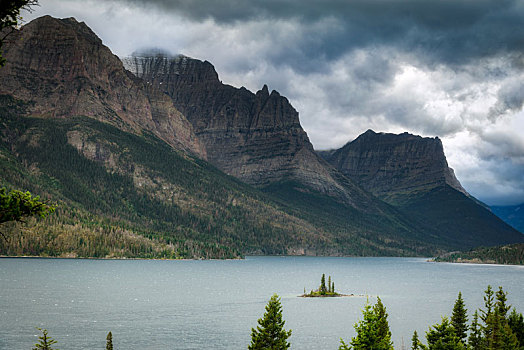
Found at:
<point>330,296</point>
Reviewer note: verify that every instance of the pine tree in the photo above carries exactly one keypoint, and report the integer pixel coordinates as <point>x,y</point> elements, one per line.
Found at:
<point>45,342</point>
<point>488,304</point>
<point>329,285</point>
<point>516,323</point>
<point>415,342</point>
<point>501,305</point>
<point>442,337</point>
<point>332,287</point>
<point>109,343</point>
<point>270,333</point>
<point>475,341</point>
<point>372,331</point>
<point>459,319</point>
<point>322,289</point>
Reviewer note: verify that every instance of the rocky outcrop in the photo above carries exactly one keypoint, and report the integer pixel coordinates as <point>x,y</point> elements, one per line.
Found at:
<point>256,137</point>
<point>63,69</point>
<point>390,165</point>
<point>411,173</point>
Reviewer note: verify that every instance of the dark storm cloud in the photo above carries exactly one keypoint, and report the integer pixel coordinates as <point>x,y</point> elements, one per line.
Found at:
<point>450,31</point>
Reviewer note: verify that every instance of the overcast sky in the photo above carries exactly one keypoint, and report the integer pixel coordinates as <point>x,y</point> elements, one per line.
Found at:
<point>447,68</point>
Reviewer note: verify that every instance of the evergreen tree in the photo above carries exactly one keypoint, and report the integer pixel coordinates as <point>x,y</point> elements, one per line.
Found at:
<point>498,334</point>
<point>17,205</point>
<point>516,323</point>
<point>501,304</point>
<point>270,333</point>
<point>488,304</point>
<point>332,287</point>
<point>109,343</point>
<point>475,340</point>
<point>459,319</point>
<point>322,289</point>
<point>415,342</point>
<point>45,342</point>
<point>442,337</point>
<point>372,331</point>
<point>329,285</point>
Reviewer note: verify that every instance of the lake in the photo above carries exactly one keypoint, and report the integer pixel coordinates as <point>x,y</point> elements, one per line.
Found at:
<point>151,304</point>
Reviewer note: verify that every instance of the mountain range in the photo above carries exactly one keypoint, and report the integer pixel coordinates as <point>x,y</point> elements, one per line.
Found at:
<point>153,156</point>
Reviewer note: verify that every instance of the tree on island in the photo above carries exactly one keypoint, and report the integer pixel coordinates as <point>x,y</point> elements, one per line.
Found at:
<point>372,331</point>
<point>323,290</point>
<point>270,332</point>
<point>45,342</point>
<point>17,205</point>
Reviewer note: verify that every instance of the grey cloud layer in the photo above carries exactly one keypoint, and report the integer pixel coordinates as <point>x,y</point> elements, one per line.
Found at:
<point>447,68</point>
<point>446,30</point>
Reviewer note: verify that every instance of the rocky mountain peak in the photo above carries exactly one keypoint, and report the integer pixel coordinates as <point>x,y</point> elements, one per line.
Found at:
<point>63,69</point>
<point>390,164</point>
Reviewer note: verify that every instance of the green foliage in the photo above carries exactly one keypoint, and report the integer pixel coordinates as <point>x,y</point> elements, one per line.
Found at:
<point>459,319</point>
<point>109,341</point>
<point>10,18</point>
<point>270,333</point>
<point>16,205</point>
<point>322,289</point>
<point>491,328</point>
<point>443,337</point>
<point>516,323</point>
<point>415,342</point>
<point>372,331</point>
<point>45,342</point>
<point>475,336</point>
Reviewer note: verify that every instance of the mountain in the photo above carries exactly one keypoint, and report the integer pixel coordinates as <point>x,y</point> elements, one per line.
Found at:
<point>512,214</point>
<point>63,68</point>
<point>128,169</point>
<point>411,173</point>
<point>166,161</point>
<point>256,137</point>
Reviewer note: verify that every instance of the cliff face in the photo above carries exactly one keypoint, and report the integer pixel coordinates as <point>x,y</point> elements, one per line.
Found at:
<point>254,137</point>
<point>63,69</point>
<point>389,165</point>
<point>411,173</point>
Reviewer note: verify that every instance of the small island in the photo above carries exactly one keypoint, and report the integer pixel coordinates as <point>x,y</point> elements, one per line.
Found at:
<point>324,291</point>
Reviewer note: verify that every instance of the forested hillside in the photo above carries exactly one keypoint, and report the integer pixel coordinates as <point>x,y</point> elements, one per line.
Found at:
<point>125,195</point>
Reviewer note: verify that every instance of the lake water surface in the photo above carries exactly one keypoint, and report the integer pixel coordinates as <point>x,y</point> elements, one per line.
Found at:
<point>150,304</point>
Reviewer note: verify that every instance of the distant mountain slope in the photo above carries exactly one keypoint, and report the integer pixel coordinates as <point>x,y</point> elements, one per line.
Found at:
<point>411,173</point>
<point>512,254</point>
<point>105,179</point>
<point>513,215</point>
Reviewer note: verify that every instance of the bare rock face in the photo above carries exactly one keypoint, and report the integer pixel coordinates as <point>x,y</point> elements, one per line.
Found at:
<point>389,164</point>
<point>63,68</point>
<point>256,137</point>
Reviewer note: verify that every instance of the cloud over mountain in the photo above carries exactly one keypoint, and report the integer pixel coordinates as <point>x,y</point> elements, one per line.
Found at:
<point>453,69</point>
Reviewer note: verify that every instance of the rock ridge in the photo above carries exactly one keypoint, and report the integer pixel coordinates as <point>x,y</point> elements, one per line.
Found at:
<point>256,137</point>
<point>387,164</point>
<point>63,69</point>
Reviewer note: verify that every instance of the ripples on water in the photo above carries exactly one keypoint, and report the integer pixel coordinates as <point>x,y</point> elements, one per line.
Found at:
<point>213,304</point>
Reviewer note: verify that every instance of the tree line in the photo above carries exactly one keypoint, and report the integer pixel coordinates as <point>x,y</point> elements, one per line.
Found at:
<point>497,326</point>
